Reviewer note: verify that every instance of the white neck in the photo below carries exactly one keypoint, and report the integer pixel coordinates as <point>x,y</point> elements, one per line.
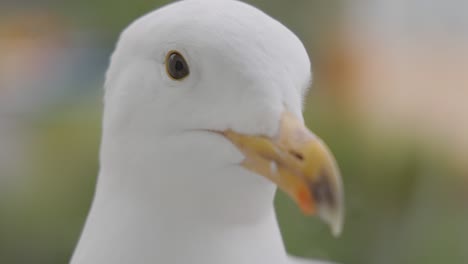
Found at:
<point>192,204</point>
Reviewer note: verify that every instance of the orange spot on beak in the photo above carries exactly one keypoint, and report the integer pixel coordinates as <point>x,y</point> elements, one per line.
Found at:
<point>305,201</point>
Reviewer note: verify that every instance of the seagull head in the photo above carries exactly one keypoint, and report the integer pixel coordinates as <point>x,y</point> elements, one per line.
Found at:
<point>204,97</point>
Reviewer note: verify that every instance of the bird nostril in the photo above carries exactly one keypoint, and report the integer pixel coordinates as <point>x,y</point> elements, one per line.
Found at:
<point>296,154</point>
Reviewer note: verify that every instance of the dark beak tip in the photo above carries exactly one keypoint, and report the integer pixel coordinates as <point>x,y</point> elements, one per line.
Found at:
<point>323,191</point>
<point>328,197</point>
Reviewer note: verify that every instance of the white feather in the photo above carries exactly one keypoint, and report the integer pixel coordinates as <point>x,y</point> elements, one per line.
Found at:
<point>166,193</point>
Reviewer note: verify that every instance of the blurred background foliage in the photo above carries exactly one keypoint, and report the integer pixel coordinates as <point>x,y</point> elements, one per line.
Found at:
<point>389,98</point>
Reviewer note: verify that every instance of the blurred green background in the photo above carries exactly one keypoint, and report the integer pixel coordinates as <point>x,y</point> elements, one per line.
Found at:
<point>389,98</point>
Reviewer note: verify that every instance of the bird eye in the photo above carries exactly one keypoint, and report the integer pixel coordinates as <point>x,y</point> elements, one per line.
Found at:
<point>176,66</point>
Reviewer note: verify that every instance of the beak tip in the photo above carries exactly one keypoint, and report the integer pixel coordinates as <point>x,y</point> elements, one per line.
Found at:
<point>328,193</point>
<point>336,227</point>
<point>334,219</point>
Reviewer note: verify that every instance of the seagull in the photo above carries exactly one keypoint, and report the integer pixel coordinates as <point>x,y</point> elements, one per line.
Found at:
<point>202,123</point>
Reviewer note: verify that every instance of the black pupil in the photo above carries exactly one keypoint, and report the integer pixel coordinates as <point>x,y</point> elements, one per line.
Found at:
<point>179,65</point>
<point>177,68</point>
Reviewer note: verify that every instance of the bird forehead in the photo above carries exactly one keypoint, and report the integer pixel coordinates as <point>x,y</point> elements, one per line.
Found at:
<point>224,24</point>
<point>218,33</point>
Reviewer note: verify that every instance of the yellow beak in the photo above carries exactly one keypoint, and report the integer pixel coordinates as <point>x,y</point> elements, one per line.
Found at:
<point>300,164</point>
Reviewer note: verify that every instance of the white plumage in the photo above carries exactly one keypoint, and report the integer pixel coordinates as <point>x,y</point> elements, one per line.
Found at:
<point>168,191</point>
